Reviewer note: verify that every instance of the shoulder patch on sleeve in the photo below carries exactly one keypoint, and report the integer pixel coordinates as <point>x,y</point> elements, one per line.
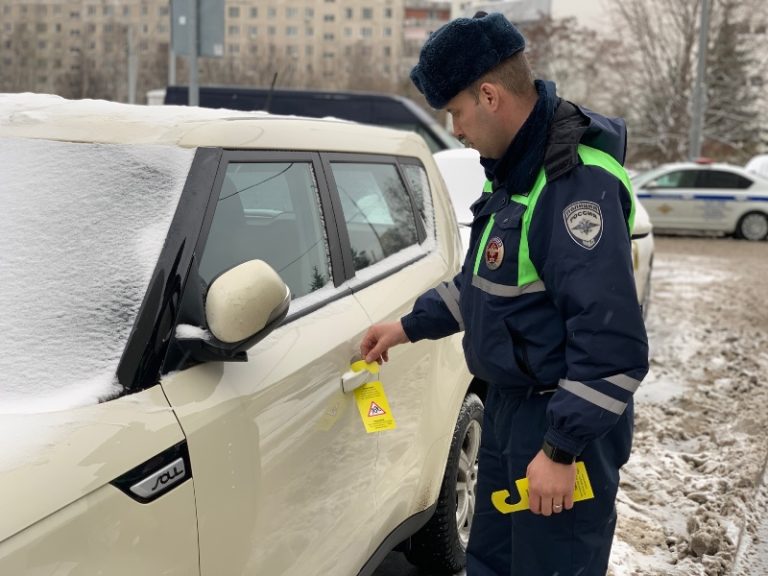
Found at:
<point>584,223</point>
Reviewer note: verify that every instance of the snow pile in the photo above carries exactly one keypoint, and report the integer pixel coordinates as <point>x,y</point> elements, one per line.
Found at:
<point>83,226</point>
<point>691,498</point>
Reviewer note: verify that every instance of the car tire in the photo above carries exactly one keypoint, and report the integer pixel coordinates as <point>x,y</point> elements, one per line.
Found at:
<point>753,226</point>
<point>441,545</point>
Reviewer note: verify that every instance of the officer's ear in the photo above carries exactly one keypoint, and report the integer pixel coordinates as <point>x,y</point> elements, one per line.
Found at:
<point>489,96</point>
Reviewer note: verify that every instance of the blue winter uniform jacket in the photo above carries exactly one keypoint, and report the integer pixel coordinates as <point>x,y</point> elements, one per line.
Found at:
<point>579,329</point>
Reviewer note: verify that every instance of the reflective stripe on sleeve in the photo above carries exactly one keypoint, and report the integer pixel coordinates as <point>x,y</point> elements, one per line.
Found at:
<point>506,291</point>
<point>591,395</point>
<point>624,381</point>
<point>450,295</point>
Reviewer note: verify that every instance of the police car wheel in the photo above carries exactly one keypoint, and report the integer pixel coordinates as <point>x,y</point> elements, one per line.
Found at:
<point>441,545</point>
<point>753,226</point>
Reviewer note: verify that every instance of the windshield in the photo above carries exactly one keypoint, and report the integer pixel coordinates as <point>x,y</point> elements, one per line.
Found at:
<point>82,228</point>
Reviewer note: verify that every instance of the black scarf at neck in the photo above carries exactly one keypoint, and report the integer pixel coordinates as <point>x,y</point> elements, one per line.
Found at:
<point>518,168</point>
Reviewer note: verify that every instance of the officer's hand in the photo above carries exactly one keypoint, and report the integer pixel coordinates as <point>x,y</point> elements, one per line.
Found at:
<point>550,485</point>
<point>379,339</point>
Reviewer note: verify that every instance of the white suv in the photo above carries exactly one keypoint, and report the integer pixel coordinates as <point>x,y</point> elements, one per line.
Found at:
<point>184,294</point>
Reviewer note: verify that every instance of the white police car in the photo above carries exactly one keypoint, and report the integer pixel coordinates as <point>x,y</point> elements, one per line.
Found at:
<point>705,197</point>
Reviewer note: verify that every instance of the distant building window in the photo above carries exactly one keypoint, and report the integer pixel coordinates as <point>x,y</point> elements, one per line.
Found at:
<point>309,12</point>
<point>234,48</point>
<point>387,51</point>
<point>253,31</point>
<point>234,11</point>
<point>367,13</point>
<point>108,28</point>
<point>57,27</point>
<point>233,31</point>
<point>387,12</point>
<point>329,18</point>
<point>255,12</point>
<point>387,31</point>
<point>347,32</point>
<point>366,32</point>
<point>41,27</point>
<point>91,11</point>
<point>309,31</point>
<point>126,10</point>
<point>271,12</point>
<point>329,36</point>
<point>42,44</point>
<point>271,30</point>
<point>291,31</point>
<point>163,11</point>
<point>291,12</point>
<point>108,10</point>
<point>291,51</point>
<point>309,50</point>
<point>349,13</point>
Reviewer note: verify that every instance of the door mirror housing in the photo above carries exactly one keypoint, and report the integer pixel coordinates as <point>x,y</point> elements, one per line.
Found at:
<point>243,305</point>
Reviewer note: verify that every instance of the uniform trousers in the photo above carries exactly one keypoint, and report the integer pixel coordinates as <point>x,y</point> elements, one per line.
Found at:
<point>575,542</point>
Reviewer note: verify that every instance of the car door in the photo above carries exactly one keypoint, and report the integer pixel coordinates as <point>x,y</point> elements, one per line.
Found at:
<point>720,198</point>
<point>390,221</point>
<point>283,466</point>
<point>668,198</point>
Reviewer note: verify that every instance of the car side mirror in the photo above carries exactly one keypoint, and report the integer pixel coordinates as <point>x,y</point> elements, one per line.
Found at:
<point>243,305</point>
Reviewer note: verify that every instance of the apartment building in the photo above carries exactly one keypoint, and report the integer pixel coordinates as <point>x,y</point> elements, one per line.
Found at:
<point>46,45</point>
<point>80,48</point>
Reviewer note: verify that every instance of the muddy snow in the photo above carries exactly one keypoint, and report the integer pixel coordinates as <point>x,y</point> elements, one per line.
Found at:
<point>693,498</point>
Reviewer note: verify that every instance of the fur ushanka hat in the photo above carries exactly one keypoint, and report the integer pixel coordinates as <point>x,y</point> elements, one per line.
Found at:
<point>460,52</point>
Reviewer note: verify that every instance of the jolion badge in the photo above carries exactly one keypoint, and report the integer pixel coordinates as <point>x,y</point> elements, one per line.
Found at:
<point>494,253</point>
<point>584,223</point>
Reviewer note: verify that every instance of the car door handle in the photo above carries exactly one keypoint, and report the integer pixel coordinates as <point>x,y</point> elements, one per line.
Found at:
<point>353,380</point>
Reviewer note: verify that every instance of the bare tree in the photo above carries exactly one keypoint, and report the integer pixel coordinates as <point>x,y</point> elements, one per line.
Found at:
<point>660,42</point>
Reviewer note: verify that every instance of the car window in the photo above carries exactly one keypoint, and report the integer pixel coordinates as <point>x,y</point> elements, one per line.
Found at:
<point>377,209</point>
<point>722,179</point>
<point>676,179</point>
<point>270,211</point>
<point>419,183</point>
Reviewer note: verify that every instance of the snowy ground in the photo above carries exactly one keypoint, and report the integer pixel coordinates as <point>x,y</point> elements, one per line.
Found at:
<point>693,497</point>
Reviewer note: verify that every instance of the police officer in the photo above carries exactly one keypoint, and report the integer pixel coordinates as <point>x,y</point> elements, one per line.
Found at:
<point>545,297</point>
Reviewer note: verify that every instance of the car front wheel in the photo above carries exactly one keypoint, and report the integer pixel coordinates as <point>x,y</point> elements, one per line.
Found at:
<point>441,546</point>
<point>753,226</point>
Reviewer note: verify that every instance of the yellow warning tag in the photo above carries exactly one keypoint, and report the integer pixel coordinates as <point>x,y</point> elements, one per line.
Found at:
<point>582,491</point>
<point>372,402</point>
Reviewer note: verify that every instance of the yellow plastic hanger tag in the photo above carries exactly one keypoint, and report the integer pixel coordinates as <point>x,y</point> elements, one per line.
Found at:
<point>372,402</point>
<point>582,491</point>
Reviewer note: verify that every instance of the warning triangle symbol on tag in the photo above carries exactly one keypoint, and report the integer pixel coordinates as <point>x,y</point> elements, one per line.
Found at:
<point>376,410</point>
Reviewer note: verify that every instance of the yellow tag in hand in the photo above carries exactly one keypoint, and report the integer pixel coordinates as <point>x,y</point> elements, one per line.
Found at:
<point>582,491</point>
<point>372,402</point>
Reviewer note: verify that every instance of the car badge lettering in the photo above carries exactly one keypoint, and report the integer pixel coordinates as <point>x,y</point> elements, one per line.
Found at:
<point>584,223</point>
<point>494,253</point>
<point>159,481</point>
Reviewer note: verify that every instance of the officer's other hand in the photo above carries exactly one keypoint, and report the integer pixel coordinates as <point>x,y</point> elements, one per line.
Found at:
<point>379,339</point>
<point>550,485</point>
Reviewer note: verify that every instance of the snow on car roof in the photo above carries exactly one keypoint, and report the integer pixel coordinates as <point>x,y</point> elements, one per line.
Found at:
<point>47,116</point>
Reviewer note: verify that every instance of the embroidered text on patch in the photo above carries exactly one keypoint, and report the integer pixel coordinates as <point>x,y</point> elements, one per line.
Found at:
<point>584,223</point>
